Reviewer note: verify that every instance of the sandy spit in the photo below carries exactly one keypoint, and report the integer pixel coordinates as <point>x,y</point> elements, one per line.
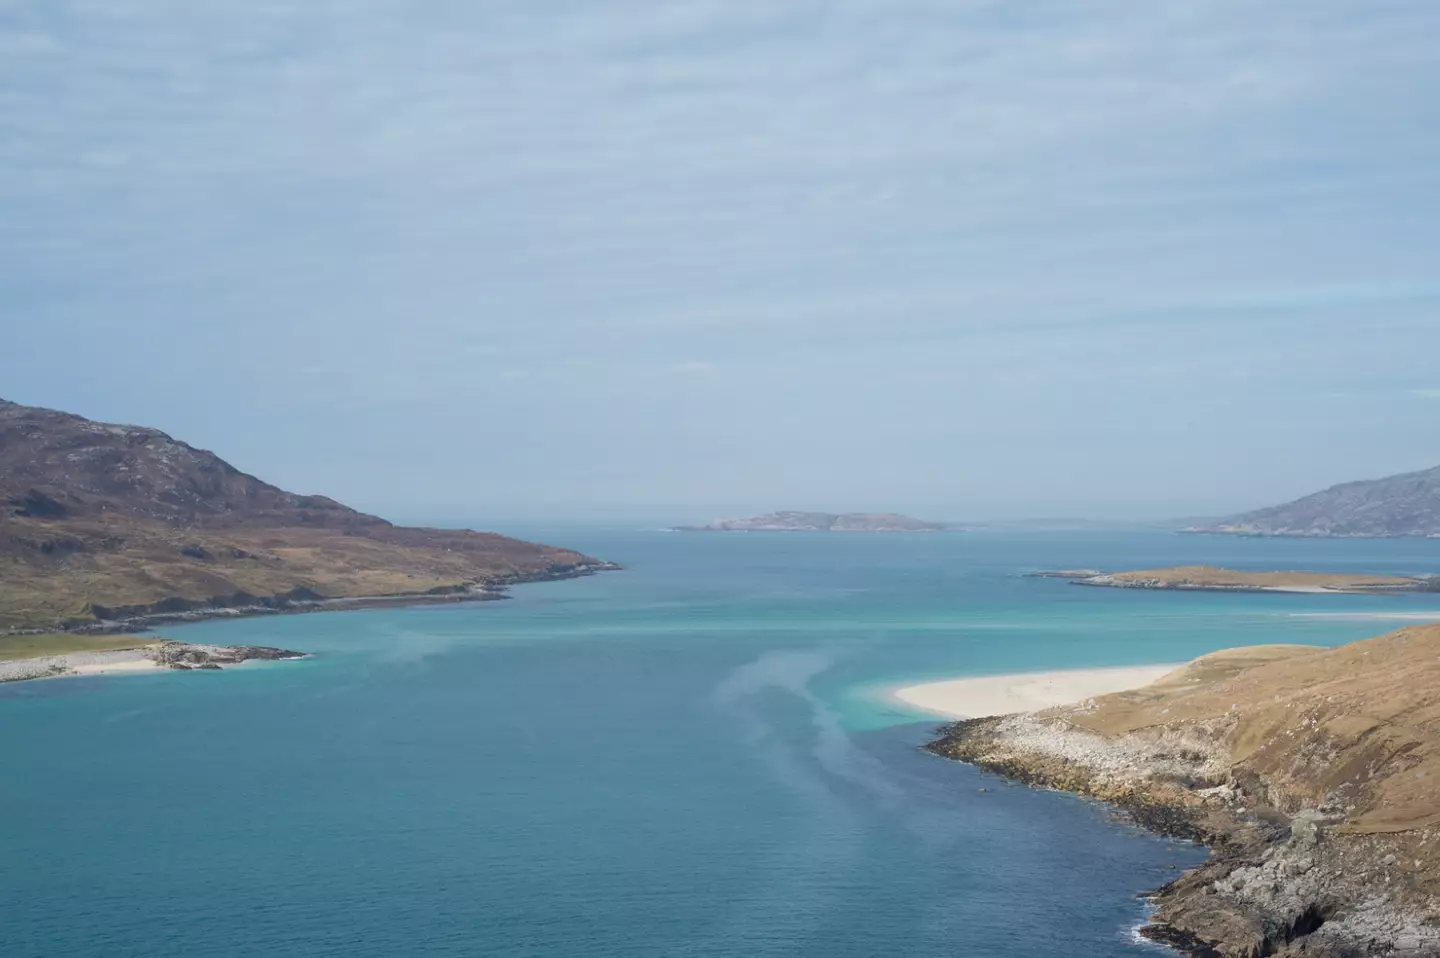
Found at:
<point>984,695</point>
<point>79,663</point>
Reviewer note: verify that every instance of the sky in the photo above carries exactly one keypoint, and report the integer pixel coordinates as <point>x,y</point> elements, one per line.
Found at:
<point>691,258</point>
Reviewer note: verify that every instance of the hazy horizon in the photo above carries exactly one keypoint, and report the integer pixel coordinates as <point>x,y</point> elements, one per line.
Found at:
<point>683,260</point>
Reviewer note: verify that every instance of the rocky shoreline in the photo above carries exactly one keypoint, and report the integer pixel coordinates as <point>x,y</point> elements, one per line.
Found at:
<point>187,655</point>
<point>1104,582</point>
<point>141,618</point>
<point>179,656</point>
<point>1213,579</point>
<point>1277,883</point>
<point>1064,574</point>
<point>1247,532</point>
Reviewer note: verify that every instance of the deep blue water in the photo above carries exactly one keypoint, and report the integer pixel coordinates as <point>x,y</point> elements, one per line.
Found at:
<point>692,757</point>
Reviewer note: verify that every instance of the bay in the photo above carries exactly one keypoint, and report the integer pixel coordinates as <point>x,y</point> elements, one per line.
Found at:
<point>695,756</point>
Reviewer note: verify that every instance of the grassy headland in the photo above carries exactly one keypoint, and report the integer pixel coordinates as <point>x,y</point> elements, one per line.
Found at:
<point>110,527</point>
<point>1314,773</point>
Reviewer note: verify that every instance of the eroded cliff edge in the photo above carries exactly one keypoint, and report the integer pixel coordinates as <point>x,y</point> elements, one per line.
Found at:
<point>1311,773</point>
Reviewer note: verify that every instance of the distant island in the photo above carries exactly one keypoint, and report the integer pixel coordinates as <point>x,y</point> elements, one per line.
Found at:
<point>820,522</point>
<point>1204,578</point>
<point>1310,772</point>
<point>1403,505</point>
<point>111,528</point>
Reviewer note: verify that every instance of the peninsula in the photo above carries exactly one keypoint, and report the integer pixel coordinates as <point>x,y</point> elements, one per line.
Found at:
<point>1203,578</point>
<point>1403,505</point>
<point>50,656</point>
<point>112,528</point>
<point>1312,774</point>
<point>820,522</point>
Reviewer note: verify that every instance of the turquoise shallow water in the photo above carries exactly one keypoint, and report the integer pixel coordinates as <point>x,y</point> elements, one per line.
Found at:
<point>692,757</point>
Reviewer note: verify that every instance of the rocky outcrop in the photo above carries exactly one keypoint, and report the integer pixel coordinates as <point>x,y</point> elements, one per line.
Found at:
<point>1310,773</point>
<point>1403,505</point>
<point>819,522</point>
<point>186,655</point>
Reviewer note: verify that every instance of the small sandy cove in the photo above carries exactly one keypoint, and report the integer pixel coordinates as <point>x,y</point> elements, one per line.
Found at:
<point>1026,691</point>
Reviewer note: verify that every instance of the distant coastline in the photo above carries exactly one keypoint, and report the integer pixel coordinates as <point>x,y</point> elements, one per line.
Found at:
<point>1400,506</point>
<point>102,648</point>
<point>1215,579</point>
<point>172,611</point>
<point>819,522</point>
<point>148,657</point>
<point>1244,532</point>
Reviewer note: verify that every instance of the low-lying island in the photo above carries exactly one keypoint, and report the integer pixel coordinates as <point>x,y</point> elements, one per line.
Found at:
<point>1205,578</point>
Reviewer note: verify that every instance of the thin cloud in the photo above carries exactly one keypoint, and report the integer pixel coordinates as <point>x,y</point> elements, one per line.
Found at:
<point>959,219</point>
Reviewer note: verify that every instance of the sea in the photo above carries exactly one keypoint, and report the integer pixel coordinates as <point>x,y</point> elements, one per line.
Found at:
<point>696,756</point>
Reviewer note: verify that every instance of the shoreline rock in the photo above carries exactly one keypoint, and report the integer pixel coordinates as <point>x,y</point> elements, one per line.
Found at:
<point>167,654</point>
<point>791,521</point>
<point>1277,883</point>
<point>184,656</point>
<point>141,618</point>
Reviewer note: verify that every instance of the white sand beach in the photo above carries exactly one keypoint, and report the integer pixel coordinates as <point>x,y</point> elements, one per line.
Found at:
<point>99,663</point>
<point>1026,691</point>
<point>165,654</point>
<point>80,663</point>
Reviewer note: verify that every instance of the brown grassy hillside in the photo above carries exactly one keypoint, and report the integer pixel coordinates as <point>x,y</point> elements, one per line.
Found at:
<point>1311,772</point>
<point>100,521</point>
<point>1359,724</point>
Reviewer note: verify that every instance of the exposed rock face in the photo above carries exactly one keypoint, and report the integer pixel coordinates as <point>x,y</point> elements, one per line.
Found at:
<point>102,522</point>
<point>1404,505</point>
<point>820,522</point>
<point>184,655</point>
<point>1311,773</point>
